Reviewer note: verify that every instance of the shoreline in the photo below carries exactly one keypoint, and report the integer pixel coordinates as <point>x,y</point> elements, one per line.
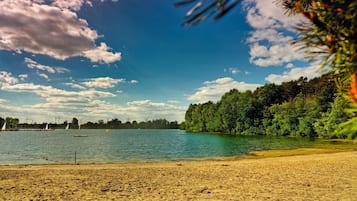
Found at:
<point>260,154</point>
<point>327,176</point>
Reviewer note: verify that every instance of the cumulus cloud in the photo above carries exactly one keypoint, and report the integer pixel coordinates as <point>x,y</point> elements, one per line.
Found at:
<point>55,102</point>
<point>69,4</point>
<point>102,54</point>
<point>263,14</point>
<point>84,104</point>
<point>274,55</point>
<point>23,77</point>
<point>270,42</point>
<point>6,78</point>
<point>103,82</point>
<point>38,28</point>
<point>295,73</point>
<point>213,90</point>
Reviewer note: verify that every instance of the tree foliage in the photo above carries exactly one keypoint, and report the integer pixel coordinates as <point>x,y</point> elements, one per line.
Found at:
<point>290,110</point>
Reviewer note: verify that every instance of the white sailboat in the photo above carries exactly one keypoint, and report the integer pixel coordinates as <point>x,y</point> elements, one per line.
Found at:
<point>67,127</point>
<point>3,128</point>
<point>47,128</point>
<point>79,126</point>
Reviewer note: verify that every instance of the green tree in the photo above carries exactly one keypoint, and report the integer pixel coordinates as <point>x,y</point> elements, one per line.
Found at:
<point>228,110</point>
<point>269,94</point>
<point>211,121</point>
<point>330,120</point>
<point>74,123</point>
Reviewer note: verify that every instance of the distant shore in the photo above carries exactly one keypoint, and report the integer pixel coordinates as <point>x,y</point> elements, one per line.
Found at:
<point>331,176</point>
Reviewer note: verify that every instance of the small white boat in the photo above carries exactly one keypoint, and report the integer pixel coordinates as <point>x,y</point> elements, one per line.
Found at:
<point>47,128</point>
<point>67,127</point>
<point>3,128</point>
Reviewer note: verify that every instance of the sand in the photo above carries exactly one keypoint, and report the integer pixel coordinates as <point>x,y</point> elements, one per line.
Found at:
<point>330,176</point>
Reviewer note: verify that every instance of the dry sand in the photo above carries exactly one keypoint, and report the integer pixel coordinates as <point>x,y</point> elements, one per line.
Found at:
<point>310,177</point>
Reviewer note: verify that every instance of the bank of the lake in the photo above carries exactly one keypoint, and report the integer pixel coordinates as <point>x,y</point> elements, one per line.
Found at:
<point>306,177</point>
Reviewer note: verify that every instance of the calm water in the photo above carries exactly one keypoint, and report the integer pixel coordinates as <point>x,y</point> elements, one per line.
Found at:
<point>25,147</point>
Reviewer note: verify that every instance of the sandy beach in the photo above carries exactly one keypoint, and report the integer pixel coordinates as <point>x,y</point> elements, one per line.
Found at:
<point>331,176</point>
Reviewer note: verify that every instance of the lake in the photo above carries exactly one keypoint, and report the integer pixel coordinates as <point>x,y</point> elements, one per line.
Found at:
<point>60,146</point>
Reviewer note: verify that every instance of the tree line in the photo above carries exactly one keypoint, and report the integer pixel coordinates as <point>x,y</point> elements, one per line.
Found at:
<point>296,108</point>
<point>14,124</point>
<point>118,124</point>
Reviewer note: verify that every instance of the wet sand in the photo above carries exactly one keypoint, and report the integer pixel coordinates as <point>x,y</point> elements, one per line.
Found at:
<point>331,176</point>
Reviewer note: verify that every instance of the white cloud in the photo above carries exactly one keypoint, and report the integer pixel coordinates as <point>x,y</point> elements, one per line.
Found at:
<point>137,110</point>
<point>2,101</point>
<point>103,82</point>
<point>86,105</point>
<point>267,13</point>
<point>43,75</point>
<point>134,81</point>
<point>270,42</point>
<point>274,55</point>
<point>37,28</point>
<point>295,73</point>
<point>257,20</point>
<point>6,78</point>
<point>270,35</point>
<point>232,70</point>
<point>154,110</point>
<point>75,86</point>
<point>23,77</point>
<point>62,70</point>
<point>213,90</point>
<point>140,103</point>
<point>49,91</point>
<point>102,54</point>
<point>56,102</point>
<point>34,65</point>
<point>70,4</point>
<point>289,65</point>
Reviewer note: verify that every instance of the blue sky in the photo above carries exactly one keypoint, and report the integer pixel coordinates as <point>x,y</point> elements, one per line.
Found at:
<point>131,59</point>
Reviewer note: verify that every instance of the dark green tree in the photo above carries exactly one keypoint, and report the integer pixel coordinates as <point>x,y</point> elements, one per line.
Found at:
<point>74,124</point>
<point>327,125</point>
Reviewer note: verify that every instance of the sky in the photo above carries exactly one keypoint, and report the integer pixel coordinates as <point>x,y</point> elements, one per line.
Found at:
<point>132,59</point>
